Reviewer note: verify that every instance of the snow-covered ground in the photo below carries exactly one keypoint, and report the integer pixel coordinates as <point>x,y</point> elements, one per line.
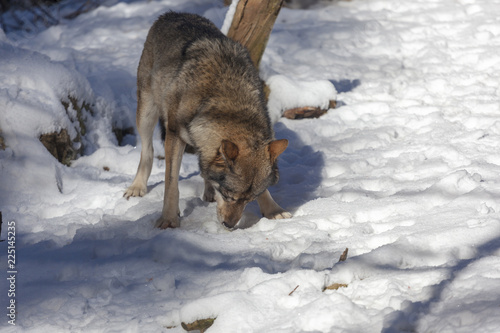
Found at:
<point>405,173</point>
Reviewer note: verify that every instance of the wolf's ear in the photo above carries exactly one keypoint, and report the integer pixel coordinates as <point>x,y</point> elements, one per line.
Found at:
<point>276,147</point>
<point>228,150</point>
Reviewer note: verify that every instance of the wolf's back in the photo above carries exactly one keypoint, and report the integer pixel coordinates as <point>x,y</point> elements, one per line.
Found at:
<point>197,72</point>
<point>171,35</point>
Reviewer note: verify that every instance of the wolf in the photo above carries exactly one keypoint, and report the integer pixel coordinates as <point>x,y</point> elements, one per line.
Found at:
<point>205,91</point>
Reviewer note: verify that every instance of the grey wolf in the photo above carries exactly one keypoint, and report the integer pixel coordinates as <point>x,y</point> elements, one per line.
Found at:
<point>206,92</point>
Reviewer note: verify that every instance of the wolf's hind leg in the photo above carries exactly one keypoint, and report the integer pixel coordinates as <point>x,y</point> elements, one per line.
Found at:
<point>269,208</point>
<point>147,117</point>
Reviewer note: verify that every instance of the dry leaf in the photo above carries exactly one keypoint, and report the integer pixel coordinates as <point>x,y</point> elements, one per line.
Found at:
<point>336,286</point>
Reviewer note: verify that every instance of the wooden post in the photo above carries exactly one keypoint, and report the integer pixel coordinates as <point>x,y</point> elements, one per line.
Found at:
<point>252,24</point>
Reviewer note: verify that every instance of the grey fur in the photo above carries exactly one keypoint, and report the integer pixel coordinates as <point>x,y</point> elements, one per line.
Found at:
<point>207,93</point>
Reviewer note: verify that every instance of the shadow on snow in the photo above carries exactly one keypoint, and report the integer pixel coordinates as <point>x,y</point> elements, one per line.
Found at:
<point>407,320</point>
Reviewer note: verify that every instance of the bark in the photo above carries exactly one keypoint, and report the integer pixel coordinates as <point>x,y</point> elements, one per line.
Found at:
<point>252,24</point>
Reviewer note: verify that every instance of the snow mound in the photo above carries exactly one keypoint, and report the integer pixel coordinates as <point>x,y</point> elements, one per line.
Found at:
<point>286,93</point>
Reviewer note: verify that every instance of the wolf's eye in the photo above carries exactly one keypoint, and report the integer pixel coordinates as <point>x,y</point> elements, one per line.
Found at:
<point>226,194</point>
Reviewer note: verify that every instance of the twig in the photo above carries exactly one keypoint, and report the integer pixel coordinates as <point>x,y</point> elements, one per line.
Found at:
<point>290,294</point>
<point>343,256</point>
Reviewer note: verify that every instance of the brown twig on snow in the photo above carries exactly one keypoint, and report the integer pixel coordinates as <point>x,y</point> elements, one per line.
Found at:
<point>290,294</point>
<point>343,256</point>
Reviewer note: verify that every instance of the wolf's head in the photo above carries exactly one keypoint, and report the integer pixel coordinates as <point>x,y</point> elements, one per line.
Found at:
<point>240,174</point>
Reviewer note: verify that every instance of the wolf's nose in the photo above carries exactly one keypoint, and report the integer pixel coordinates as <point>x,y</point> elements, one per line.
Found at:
<point>227,226</point>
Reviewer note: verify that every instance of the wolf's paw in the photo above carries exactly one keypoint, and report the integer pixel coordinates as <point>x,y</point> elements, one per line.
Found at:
<point>278,215</point>
<point>164,223</point>
<point>135,191</point>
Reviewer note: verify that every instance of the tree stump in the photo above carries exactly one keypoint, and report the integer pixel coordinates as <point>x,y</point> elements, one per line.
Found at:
<point>252,24</point>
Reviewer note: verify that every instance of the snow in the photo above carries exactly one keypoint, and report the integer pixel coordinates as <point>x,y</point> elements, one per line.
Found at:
<point>404,173</point>
<point>285,93</point>
<point>228,20</point>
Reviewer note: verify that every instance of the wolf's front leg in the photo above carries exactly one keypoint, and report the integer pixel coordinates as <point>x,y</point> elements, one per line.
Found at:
<point>209,193</point>
<point>139,185</point>
<point>269,208</point>
<point>147,116</point>
<point>174,148</point>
